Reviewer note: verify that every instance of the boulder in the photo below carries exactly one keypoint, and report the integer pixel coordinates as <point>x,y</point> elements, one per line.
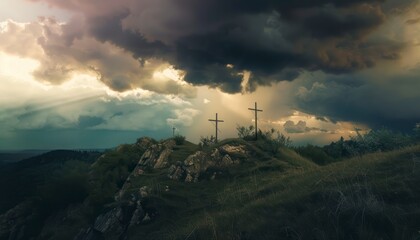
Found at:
<point>144,143</point>
<point>233,149</point>
<point>199,162</point>
<point>157,155</point>
<point>195,164</point>
<point>109,221</point>
<point>176,172</point>
<point>13,223</point>
<point>88,234</point>
<point>144,191</point>
<point>226,160</point>
<point>138,215</point>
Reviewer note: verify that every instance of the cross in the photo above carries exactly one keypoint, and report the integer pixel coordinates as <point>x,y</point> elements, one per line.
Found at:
<point>173,132</point>
<point>256,119</point>
<point>217,121</point>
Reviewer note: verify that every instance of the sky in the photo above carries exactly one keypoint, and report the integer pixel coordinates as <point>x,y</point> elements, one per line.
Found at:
<point>98,73</point>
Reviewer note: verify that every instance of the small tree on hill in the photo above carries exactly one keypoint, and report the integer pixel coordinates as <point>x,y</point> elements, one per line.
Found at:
<point>179,139</point>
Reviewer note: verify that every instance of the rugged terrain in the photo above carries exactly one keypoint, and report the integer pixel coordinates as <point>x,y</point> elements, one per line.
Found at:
<point>235,189</point>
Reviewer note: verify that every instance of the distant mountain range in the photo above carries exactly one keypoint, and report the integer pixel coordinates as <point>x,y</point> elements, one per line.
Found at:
<point>11,156</point>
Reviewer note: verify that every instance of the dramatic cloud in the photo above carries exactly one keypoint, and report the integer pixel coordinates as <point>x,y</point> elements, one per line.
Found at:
<point>388,100</point>
<point>183,117</point>
<point>63,52</point>
<point>318,68</point>
<point>215,42</point>
<point>300,127</point>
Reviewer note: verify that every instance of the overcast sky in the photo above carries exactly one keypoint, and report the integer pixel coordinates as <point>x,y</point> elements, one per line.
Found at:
<point>98,73</point>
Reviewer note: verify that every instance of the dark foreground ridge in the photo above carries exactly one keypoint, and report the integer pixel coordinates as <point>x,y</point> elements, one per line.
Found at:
<point>234,189</point>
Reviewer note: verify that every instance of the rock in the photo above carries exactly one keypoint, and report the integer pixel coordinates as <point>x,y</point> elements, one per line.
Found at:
<point>162,161</point>
<point>227,160</point>
<point>144,191</point>
<point>232,150</point>
<point>13,223</point>
<point>189,178</point>
<point>213,176</point>
<point>140,171</point>
<point>138,215</point>
<point>146,218</point>
<point>109,220</point>
<point>157,155</point>
<point>216,155</point>
<point>197,163</point>
<point>144,143</point>
<point>88,234</point>
<point>176,172</point>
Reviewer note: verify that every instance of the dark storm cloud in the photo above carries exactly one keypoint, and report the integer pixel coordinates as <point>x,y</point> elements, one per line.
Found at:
<point>109,28</point>
<point>392,103</point>
<point>274,40</point>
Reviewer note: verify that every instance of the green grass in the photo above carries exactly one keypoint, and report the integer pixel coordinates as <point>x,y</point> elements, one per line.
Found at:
<point>181,152</point>
<point>270,195</point>
<point>375,196</point>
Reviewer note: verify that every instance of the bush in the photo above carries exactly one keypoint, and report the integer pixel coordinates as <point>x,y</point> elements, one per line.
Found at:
<point>179,139</point>
<point>272,140</point>
<point>207,141</point>
<point>374,141</point>
<point>246,133</point>
<point>315,153</point>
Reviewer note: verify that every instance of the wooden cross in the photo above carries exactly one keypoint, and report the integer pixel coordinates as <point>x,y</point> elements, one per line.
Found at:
<point>217,121</point>
<point>256,119</point>
<point>173,132</point>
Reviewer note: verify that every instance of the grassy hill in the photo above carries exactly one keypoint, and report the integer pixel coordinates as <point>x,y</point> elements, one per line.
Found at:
<point>269,195</point>
<point>375,196</point>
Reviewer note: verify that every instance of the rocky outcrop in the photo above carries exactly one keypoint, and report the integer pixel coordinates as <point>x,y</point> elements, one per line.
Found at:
<point>156,156</point>
<point>13,223</point>
<point>177,171</point>
<point>144,143</point>
<point>199,162</point>
<point>114,223</point>
<point>138,216</point>
<point>110,221</point>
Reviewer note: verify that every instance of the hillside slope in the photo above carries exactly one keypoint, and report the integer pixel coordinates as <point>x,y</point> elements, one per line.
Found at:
<point>236,190</point>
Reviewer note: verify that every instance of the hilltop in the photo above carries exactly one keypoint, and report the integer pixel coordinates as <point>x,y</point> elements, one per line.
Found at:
<point>235,189</point>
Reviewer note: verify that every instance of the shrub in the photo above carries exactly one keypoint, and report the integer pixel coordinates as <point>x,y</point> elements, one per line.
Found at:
<point>179,139</point>
<point>246,133</point>
<point>375,140</point>
<point>269,141</point>
<point>207,141</point>
<point>314,153</point>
